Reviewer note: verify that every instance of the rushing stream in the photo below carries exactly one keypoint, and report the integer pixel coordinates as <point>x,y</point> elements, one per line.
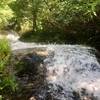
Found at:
<point>73,68</point>
<point>72,71</point>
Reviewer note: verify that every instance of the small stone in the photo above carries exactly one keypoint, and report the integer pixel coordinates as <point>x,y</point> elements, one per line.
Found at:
<point>32,98</point>
<point>42,53</point>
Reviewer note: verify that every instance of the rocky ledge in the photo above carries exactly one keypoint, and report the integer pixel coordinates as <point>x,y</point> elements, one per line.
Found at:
<point>29,71</point>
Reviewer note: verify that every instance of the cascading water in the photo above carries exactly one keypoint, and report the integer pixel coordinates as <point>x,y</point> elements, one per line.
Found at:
<point>72,72</point>
<point>72,68</point>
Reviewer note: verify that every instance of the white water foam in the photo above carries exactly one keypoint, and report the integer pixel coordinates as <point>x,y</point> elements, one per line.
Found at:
<point>73,68</point>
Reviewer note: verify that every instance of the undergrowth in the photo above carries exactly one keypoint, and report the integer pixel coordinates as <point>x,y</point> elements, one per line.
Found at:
<point>7,79</point>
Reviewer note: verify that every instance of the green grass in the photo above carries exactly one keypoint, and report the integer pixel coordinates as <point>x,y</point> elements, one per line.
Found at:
<point>4,53</point>
<point>7,79</point>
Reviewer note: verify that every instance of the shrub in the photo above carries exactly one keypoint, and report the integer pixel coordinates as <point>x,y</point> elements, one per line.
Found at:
<point>7,80</point>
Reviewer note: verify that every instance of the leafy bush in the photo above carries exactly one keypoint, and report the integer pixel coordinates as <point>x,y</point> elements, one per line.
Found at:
<point>5,12</point>
<point>4,53</point>
<point>7,80</point>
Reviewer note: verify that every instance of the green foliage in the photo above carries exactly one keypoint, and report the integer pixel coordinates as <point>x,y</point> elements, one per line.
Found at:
<point>60,13</point>
<point>56,13</point>
<point>4,53</point>
<point>7,80</point>
<point>5,12</point>
<point>22,13</point>
<point>54,20</point>
<point>38,14</point>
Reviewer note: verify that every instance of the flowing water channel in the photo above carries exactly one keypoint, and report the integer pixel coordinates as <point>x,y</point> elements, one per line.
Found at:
<point>72,71</point>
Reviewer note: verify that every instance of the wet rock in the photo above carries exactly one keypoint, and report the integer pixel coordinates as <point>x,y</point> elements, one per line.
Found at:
<point>29,69</point>
<point>32,98</point>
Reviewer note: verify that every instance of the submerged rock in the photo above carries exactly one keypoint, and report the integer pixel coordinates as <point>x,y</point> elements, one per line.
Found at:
<point>29,70</point>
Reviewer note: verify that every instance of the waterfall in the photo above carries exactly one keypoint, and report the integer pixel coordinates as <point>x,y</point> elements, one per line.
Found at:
<point>71,71</point>
<point>73,68</point>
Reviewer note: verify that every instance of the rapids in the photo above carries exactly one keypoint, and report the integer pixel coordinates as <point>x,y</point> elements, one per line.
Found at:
<point>71,70</point>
